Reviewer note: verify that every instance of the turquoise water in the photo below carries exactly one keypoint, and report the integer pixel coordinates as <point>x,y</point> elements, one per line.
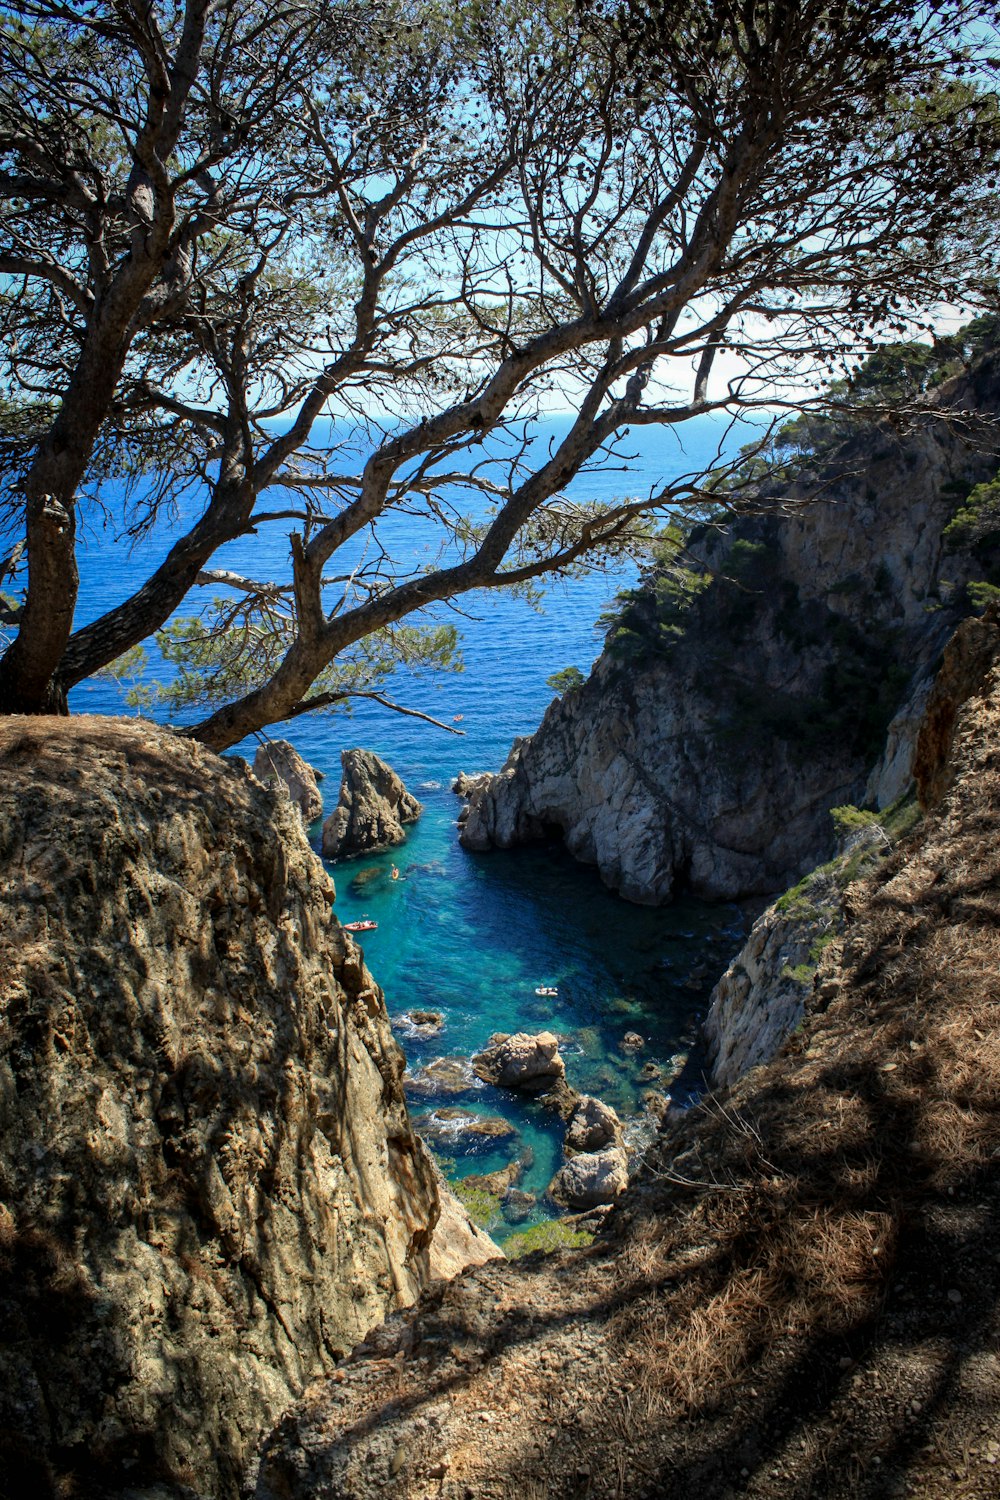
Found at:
<point>473,936</point>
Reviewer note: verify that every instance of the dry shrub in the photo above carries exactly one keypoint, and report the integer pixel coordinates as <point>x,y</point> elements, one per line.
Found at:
<point>951,1140</point>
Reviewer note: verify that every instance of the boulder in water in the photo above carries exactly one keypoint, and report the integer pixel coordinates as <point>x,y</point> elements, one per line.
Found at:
<point>592,1178</point>
<point>372,808</point>
<point>445,1075</point>
<point>279,760</point>
<point>449,1127</point>
<point>521,1061</point>
<point>592,1126</point>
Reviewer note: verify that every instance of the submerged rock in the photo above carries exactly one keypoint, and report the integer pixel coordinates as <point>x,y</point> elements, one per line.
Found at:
<point>592,1126</point>
<point>209,1184</point>
<point>516,1205</point>
<point>372,808</point>
<point>445,1075</point>
<point>444,1126</point>
<point>420,1023</point>
<point>521,1061</point>
<point>279,760</point>
<point>590,1179</point>
<point>496,1183</point>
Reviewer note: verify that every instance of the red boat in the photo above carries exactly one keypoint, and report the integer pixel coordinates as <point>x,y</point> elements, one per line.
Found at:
<point>366,926</point>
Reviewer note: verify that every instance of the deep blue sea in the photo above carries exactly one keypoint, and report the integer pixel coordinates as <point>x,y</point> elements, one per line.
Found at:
<point>474,936</point>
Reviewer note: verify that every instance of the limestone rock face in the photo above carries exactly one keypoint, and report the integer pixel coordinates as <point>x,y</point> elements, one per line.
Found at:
<point>788,954</point>
<point>373,806</point>
<point>521,1061</point>
<point>713,735</point>
<point>279,758</point>
<point>592,1126</point>
<point>209,1185</point>
<point>590,1179</point>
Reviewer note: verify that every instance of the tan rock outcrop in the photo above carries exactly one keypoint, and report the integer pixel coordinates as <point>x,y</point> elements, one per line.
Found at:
<point>209,1185</point>
<point>521,1061</point>
<point>592,1178</point>
<point>592,1126</point>
<point>372,808</point>
<point>280,760</point>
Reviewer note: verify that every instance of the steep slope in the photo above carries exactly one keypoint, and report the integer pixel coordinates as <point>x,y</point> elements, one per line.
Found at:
<point>801,1301</point>
<point>209,1186</point>
<point>748,689</point>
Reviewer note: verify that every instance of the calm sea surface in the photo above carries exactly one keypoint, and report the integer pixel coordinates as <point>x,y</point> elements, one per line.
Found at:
<point>475,936</point>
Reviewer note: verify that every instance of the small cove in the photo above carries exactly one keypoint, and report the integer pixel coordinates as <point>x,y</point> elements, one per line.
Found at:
<point>473,937</point>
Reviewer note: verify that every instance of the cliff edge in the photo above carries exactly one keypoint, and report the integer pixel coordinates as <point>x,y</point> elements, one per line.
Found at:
<point>209,1186</point>
<point>750,684</point>
<point>800,1297</point>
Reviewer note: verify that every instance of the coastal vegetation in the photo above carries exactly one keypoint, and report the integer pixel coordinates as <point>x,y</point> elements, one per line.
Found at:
<point>311,269</point>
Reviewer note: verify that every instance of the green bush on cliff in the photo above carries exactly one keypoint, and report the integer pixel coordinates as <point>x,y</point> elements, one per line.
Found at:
<point>562,682</point>
<point>976,524</point>
<point>848,819</point>
<point>482,1207</point>
<point>552,1235</point>
<point>650,618</point>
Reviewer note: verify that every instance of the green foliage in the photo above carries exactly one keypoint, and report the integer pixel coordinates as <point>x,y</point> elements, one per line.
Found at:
<point>129,669</point>
<point>482,1207</point>
<point>848,819</point>
<point>549,1236</point>
<point>890,376</point>
<point>901,816</point>
<point>229,651</point>
<point>562,682</point>
<point>651,618</point>
<point>976,524</point>
<point>981,594</point>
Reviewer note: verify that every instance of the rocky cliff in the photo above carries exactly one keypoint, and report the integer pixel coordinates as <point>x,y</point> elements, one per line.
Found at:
<point>800,1295</point>
<point>791,960</point>
<point>749,685</point>
<point>372,807</point>
<point>209,1186</point>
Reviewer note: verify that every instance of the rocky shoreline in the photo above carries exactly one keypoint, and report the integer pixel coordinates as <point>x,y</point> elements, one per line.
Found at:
<point>776,668</point>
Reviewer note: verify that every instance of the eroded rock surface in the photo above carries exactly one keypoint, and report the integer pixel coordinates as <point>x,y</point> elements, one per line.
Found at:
<point>592,1178</point>
<point>592,1125</point>
<point>372,808</point>
<point>209,1185</point>
<point>521,1061</point>
<point>280,760</point>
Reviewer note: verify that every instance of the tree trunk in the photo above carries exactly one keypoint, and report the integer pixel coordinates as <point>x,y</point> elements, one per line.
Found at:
<point>29,667</point>
<point>134,620</point>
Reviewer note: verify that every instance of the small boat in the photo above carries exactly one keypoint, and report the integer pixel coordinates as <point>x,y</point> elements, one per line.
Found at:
<point>546,989</point>
<point>366,926</point>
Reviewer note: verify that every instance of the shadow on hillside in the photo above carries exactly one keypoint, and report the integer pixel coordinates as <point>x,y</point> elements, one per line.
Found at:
<point>801,1299</point>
